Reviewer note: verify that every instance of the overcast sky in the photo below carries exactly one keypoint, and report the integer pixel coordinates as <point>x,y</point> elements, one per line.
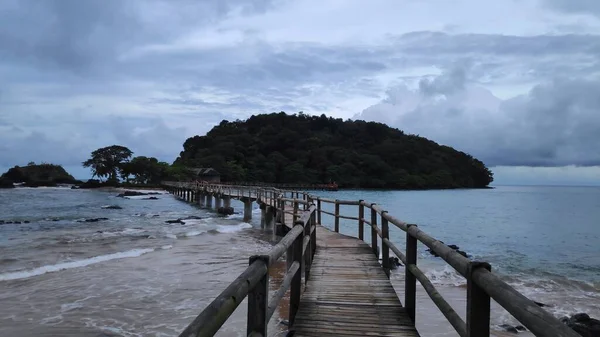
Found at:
<point>515,83</point>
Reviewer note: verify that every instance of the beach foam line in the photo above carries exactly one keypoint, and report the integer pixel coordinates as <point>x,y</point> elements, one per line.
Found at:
<point>233,229</point>
<point>23,274</point>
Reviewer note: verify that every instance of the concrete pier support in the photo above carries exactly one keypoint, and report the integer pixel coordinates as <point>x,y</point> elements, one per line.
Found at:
<point>263,217</point>
<point>209,200</point>
<point>247,209</point>
<point>269,216</point>
<point>200,198</point>
<point>226,201</point>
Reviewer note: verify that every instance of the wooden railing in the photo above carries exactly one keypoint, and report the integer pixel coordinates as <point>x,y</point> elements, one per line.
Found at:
<point>482,284</point>
<point>299,246</point>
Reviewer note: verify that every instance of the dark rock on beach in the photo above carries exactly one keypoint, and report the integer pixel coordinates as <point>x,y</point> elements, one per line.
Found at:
<point>508,328</point>
<point>180,220</point>
<point>394,262</point>
<point>131,194</point>
<point>583,324</point>
<point>225,210</point>
<point>93,220</point>
<point>453,247</point>
<point>150,198</point>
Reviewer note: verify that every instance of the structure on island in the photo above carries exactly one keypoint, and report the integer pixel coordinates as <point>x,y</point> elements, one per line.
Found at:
<point>206,174</point>
<point>339,285</point>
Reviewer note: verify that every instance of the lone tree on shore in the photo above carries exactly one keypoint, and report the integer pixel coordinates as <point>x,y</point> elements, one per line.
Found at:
<point>108,161</point>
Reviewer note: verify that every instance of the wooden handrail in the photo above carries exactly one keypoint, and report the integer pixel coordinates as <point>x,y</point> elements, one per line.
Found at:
<point>300,245</point>
<point>482,284</point>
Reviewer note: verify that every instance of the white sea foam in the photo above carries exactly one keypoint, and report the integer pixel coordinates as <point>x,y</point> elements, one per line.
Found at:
<point>194,233</point>
<point>233,229</point>
<point>445,276</point>
<point>73,264</point>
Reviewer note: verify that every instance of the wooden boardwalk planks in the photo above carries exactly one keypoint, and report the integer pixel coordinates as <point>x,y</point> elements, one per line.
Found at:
<point>348,293</point>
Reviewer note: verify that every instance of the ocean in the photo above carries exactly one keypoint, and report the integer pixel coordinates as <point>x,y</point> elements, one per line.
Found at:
<point>134,274</point>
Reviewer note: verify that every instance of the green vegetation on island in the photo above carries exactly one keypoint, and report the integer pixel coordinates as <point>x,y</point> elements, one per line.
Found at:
<point>34,175</point>
<point>282,148</point>
<point>116,164</point>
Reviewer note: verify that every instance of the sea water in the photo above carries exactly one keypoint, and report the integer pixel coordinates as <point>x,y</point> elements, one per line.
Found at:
<point>136,275</point>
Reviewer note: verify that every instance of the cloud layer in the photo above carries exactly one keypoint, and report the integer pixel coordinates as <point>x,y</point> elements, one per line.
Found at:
<point>78,75</point>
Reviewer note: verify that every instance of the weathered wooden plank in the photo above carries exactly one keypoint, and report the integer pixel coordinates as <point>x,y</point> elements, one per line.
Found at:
<point>349,294</point>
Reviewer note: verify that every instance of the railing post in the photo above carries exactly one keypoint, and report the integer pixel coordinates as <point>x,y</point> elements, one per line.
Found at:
<point>313,237</point>
<point>361,223</point>
<point>410,281</point>
<point>258,301</point>
<point>307,255</point>
<point>478,304</point>
<point>319,211</point>
<point>385,249</point>
<point>374,231</point>
<point>337,216</point>
<point>296,286</point>
<point>295,211</point>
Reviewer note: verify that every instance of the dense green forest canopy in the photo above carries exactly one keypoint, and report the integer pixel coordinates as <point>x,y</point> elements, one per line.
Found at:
<point>282,148</point>
<point>37,175</point>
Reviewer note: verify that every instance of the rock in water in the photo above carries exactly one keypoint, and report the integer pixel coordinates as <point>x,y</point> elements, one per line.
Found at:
<point>225,210</point>
<point>509,328</point>
<point>93,220</point>
<point>583,325</point>
<point>131,194</point>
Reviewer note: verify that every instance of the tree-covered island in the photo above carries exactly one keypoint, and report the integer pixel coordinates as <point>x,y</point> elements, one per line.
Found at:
<point>282,148</point>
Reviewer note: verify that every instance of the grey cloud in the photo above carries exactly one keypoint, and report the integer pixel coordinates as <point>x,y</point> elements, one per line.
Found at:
<point>74,141</point>
<point>555,124</point>
<point>450,82</point>
<point>575,6</point>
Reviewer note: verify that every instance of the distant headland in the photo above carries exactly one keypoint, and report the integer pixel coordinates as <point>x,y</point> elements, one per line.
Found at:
<point>279,148</point>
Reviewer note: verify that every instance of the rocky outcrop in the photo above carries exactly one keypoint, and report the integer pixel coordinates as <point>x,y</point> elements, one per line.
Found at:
<point>34,175</point>
<point>394,262</point>
<point>92,220</point>
<point>583,324</point>
<point>6,183</point>
<point>16,222</point>
<point>136,194</point>
<point>454,247</point>
<point>225,210</point>
<point>181,220</point>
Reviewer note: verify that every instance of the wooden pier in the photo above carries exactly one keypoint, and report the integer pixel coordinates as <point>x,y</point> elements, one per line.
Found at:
<point>337,284</point>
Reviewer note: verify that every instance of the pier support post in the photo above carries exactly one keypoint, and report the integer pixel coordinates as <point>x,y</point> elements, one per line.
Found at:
<point>217,201</point>
<point>263,216</point>
<point>226,201</point>
<point>209,200</point>
<point>269,216</point>
<point>247,209</point>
